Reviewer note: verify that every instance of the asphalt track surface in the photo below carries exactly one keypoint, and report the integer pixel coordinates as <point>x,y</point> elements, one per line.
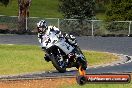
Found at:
<point>120,45</point>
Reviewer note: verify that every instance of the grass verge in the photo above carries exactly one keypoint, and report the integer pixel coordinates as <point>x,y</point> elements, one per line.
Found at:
<point>121,85</point>
<point>97,85</point>
<point>38,8</point>
<point>16,59</point>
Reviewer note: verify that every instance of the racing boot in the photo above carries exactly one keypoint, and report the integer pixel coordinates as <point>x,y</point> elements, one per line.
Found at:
<point>47,57</point>
<point>82,61</point>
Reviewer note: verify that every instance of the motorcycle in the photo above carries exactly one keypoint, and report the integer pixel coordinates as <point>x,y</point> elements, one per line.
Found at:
<point>62,54</point>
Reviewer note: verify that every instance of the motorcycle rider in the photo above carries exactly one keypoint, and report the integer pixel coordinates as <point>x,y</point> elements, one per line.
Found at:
<point>44,29</point>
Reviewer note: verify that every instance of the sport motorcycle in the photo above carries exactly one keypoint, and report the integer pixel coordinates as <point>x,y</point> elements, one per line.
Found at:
<point>61,53</point>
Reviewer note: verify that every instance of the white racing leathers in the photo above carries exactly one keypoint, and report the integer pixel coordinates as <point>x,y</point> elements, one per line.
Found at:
<point>52,37</point>
<point>60,51</point>
<point>53,33</point>
<point>48,32</point>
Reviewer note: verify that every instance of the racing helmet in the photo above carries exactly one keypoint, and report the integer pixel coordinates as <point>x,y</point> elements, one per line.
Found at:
<point>42,26</point>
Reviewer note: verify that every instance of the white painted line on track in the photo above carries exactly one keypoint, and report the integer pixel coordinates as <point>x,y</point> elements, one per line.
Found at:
<point>10,44</point>
<point>7,44</point>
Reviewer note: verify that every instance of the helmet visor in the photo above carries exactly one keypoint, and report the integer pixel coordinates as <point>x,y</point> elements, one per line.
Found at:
<point>41,30</point>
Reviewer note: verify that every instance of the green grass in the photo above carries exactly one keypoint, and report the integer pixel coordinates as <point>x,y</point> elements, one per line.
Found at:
<point>39,8</point>
<point>10,10</point>
<point>16,59</point>
<point>45,8</point>
<point>20,59</point>
<point>96,58</point>
<point>100,16</point>
<point>129,85</point>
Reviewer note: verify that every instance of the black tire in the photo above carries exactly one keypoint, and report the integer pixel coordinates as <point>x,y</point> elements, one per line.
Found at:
<point>81,80</point>
<point>56,65</point>
<point>81,62</point>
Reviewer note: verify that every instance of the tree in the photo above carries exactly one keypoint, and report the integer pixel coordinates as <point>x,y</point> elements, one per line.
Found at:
<point>5,2</point>
<point>83,10</point>
<point>23,15</point>
<point>78,9</point>
<point>119,10</point>
<point>101,5</point>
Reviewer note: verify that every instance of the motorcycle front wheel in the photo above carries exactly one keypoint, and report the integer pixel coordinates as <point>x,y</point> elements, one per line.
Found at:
<point>59,64</point>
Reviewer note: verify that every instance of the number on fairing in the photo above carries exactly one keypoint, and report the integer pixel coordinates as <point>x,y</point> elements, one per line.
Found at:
<point>67,46</point>
<point>48,41</point>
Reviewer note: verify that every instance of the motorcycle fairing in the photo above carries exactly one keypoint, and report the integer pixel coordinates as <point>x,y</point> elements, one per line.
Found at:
<point>53,40</point>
